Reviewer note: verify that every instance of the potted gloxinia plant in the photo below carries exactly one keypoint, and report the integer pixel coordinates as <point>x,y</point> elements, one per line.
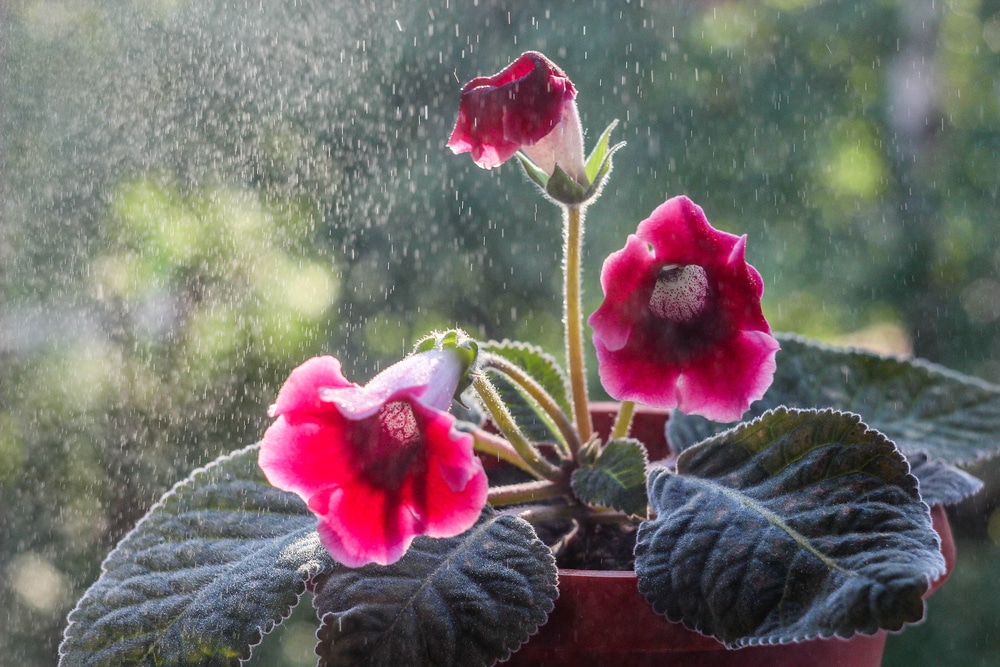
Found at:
<point>449,508</point>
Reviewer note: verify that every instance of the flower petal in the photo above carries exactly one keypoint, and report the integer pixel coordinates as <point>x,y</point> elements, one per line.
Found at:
<point>303,458</point>
<point>681,323</point>
<point>518,107</point>
<point>722,386</point>
<point>627,274</point>
<point>377,464</point>
<point>299,391</point>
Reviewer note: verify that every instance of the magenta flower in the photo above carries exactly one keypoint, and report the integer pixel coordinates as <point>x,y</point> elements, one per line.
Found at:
<point>681,324</point>
<point>378,464</point>
<point>528,106</point>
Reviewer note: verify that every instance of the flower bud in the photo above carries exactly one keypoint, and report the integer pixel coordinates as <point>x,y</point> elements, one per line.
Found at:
<point>528,106</point>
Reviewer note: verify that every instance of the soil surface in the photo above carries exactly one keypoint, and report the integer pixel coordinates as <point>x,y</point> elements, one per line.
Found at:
<point>601,547</point>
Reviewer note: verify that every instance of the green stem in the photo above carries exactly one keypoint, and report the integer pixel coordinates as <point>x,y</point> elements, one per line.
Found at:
<point>505,423</point>
<point>537,392</point>
<point>493,445</point>
<point>623,421</point>
<point>519,494</point>
<point>573,239</point>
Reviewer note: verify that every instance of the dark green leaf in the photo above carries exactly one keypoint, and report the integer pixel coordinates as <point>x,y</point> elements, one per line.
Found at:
<point>800,524</point>
<point>218,562</point>
<point>617,479</point>
<point>466,601</point>
<point>918,405</point>
<point>941,483</point>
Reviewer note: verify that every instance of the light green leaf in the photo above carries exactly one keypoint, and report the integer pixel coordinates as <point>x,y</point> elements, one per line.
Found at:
<point>465,601</point>
<point>218,562</point>
<point>617,479</point>
<point>544,369</point>
<point>800,524</point>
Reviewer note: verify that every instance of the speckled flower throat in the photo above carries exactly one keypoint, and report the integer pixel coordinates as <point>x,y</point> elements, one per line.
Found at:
<point>680,294</point>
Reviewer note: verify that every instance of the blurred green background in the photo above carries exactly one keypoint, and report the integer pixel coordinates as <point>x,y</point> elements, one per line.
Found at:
<point>197,196</point>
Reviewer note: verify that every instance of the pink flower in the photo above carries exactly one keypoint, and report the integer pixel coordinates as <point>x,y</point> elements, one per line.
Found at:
<point>681,324</point>
<point>378,464</point>
<point>529,106</point>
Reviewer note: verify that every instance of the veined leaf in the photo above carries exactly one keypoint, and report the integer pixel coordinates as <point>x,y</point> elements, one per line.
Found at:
<point>218,562</point>
<point>940,482</point>
<point>541,366</point>
<point>920,406</point>
<point>465,601</point>
<point>617,479</point>
<point>800,524</point>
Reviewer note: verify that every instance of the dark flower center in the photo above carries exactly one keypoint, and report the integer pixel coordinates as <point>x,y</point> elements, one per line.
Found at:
<point>680,294</point>
<point>393,447</point>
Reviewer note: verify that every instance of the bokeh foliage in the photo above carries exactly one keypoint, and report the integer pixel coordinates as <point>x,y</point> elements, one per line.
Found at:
<point>196,196</point>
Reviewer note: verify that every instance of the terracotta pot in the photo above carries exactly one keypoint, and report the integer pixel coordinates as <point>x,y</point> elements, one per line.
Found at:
<point>575,636</point>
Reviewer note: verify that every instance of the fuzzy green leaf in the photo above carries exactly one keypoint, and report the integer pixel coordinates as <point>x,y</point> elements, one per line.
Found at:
<point>218,562</point>
<point>541,366</point>
<point>468,600</point>
<point>800,524</point>
<point>617,479</point>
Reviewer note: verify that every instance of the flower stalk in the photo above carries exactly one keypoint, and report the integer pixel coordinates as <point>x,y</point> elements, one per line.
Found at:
<point>570,440</point>
<point>519,494</point>
<point>623,420</point>
<point>510,430</point>
<point>572,251</point>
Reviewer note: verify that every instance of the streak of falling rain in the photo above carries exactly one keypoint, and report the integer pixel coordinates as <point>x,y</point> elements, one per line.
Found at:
<point>197,196</point>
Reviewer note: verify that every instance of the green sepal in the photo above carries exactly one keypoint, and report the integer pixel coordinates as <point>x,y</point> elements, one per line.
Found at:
<point>564,189</point>
<point>534,172</point>
<point>599,163</point>
<point>466,350</point>
<point>601,153</point>
<point>561,188</point>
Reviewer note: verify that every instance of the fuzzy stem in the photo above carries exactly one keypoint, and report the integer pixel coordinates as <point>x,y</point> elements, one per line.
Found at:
<point>505,423</point>
<point>572,251</point>
<point>519,494</point>
<point>493,445</point>
<point>623,421</point>
<point>542,513</point>
<point>537,392</point>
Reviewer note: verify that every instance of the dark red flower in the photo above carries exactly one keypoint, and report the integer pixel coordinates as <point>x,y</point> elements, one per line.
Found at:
<point>681,324</point>
<point>378,464</point>
<point>528,106</point>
